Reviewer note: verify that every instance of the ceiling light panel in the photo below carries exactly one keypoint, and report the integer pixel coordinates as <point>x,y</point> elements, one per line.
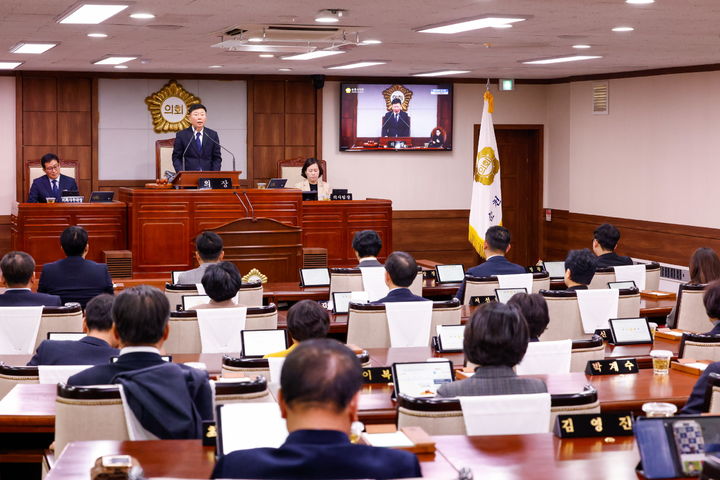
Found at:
<point>313,55</point>
<point>573,58</point>
<point>114,60</point>
<point>348,66</point>
<point>32,47</point>
<point>466,25</point>
<point>441,73</point>
<point>9,65</point>
<point>90,14</point>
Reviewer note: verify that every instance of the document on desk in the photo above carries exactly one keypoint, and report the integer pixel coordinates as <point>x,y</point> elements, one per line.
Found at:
<point>250,425</point>
<point>519,280</point>
<point>409,323</point>
<point>18,329</point>
<point>220,329</point>
<point>635,273</point>
<point>597,307</point>
<point>374,282</point>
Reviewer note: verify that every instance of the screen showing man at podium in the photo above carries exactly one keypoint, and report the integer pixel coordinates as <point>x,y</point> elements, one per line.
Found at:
<point>197,147</point>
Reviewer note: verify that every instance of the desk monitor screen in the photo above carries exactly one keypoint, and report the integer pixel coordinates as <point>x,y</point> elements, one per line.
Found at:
<point>630,331</point>
<point>189,302</point>
<point>277,183</point>
<point>101,197</point>
<point>314,277</point>
<point>505,294</point>
<point>176,276</point>
<point>65,335</point>
<point>555,269</point>
<point>449,273</point>
<point>258,343</point>
<point>341,302</point>
<point>450,338</point>
<point>261,422</point>
<point>421,379</point>
<point>309,196</point>
<point>621,285</point>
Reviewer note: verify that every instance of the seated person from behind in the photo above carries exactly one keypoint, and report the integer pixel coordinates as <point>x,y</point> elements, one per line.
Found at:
<point>535,311</point>
<point>305,320</point>
<point>319,394</point>
<point>711,300</point>
<point>367,245</point>
<point>704,269</point>
<point>221,282</point>
<point>18,274</point>
<point>400,272</point>
<point>208,250</point>
<point>312,171</point>
<point>73,278</point>
<point>52,183</point>
<point>94,349</point>
<point>496,246</point>
<point>495,339</point>
<point>605,240</point>
<point>170,399</point>
<point>579,269</point>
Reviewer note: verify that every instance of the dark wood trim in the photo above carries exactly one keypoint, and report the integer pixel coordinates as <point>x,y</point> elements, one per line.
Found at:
<point>417,214</point>
<point>4,219</point>
<point>94,134</point>
<point>250,139</point>
<point>123,183</point>
<point>318,123</point>
<point>19,167</point>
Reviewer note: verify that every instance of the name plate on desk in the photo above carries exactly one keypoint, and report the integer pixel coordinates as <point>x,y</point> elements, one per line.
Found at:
<point>341,196</point>
<point>535,269</point>
<point>480,299</point>
<point>594,425</point>
<point>214,183</point>
<point>604,333</point>
<point>377,375</point>
<point>611,367</point>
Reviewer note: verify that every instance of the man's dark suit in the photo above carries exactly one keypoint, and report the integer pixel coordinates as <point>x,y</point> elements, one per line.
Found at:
<point>396,128</point>
<point>41,188</point>
<point>75,279</point>
<point>401,295</point>
<point>25,298</point>
<point>496,380</point>
<point>86,351</point>
<point>370,262</point>
<point>209,158</point>
<point>715,330</point>
<point>696,400</point>
<point>612,259</point>
<point>497,265</point>
<point>318,454</point>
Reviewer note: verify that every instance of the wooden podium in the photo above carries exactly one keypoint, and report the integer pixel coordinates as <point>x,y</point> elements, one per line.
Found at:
<point>189,179</point>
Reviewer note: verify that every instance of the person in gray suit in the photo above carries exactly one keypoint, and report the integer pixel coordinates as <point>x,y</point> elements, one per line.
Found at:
<point>496,339</point>
<point>367,245</point>
<point>208,250</point>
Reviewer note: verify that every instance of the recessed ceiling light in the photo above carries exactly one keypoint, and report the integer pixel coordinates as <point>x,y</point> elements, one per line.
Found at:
<point>573,58</point>
<point>312,55</point>
<point>329,16</point>
<point>91,14</point>
<point>465,25</point>
<point>581,46</point>
<point>114,60</point>
<point>97,35</point>
<point>142,16</point>
<point>255,39</point>
<point>440,73</point>
<point>503,25</point>
<point>639,2</point>
<point>120,66</point>
<point>9,65</point>
<point>266,55</point>
<point>215,66</point>
<point>284,69</point>
<point>370,42</point>
<point>347,66</point>
<point>623,29</point>
<point>32,47</point>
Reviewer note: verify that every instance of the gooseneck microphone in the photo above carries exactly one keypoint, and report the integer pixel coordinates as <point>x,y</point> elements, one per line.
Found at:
<point>216,143</point>
<point>186,148</point>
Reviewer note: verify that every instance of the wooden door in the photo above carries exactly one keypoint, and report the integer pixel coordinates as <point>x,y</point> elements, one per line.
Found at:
<point>520,152</point>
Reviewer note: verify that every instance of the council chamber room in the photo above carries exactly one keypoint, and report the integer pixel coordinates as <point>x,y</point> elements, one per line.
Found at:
<point>338,240</point>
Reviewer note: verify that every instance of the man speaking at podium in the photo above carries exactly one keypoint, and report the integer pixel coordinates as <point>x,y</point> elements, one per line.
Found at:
<point>396,123</point>
<point>197,147</point>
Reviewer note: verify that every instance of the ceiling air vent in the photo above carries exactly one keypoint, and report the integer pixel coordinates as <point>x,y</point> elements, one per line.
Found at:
<point>600,98</point>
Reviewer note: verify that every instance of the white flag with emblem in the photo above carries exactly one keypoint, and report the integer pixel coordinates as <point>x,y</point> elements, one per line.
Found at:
<point>486,206</point>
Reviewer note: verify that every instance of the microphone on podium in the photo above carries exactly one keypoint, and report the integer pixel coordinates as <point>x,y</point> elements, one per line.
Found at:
<point>216,143</point>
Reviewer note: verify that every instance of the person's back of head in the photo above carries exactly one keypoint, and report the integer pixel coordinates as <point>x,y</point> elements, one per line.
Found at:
<point>582,265</point>
<point>367,243</point>
<point>497,239</point>
<point>307,319</point>
<point>17,269</point>
<point>607,236</point>
<point>98,313</point>
<point>221,281</point>
<point>711,300</point>
<point>704,266</point>
<point>534,309</point>
<point>74,240</point>
<point>209,246</point>
<point>320,373</point>
<point>496,335</point>
<point>402,269</point>
<point>140,315</point>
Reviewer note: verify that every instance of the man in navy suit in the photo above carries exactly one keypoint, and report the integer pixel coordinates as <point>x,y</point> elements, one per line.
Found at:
<point>18,274</point>
<point>52,183</point>
<point>367,245</point>
<point>396,123</point>
<point>580,268</point>
<point>400,272</point>
<point>169,399</point>
<point>496,246</point>
<point>319,395</point>
<point>73,278</point>
<point>197,147</point>
<point>94,349</point>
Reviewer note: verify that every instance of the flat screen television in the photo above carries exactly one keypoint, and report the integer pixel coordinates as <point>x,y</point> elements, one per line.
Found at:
<point>395,117</point>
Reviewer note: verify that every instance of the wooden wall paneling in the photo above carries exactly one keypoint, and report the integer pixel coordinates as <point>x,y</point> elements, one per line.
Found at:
<point>306,151</point>
<point>269,129</point>
<point>39,94</point>
<point>81,155</point>
<point>74,128</point>
<point>40,128</point>
<point>95,121</point>
<point>20,178</point>
<point>74,94</point>
<point>250,142</point>
<point>318,125</point>
<point>5,232</point>
<point>265,162</point>
<point>300,97</point>
<point>299,129</point>
<point>269,96</point>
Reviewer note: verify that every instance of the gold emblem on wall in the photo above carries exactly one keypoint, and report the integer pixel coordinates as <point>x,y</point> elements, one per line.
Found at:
<point>255,276</point>
<point>397,91</point>
<point>168,107</point>
<point>486,166</point>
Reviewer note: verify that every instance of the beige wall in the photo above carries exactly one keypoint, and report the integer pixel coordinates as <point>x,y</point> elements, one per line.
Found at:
<point>7,145</point>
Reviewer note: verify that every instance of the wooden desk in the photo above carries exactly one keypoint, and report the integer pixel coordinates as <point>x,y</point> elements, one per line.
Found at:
<point>35,228</point>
